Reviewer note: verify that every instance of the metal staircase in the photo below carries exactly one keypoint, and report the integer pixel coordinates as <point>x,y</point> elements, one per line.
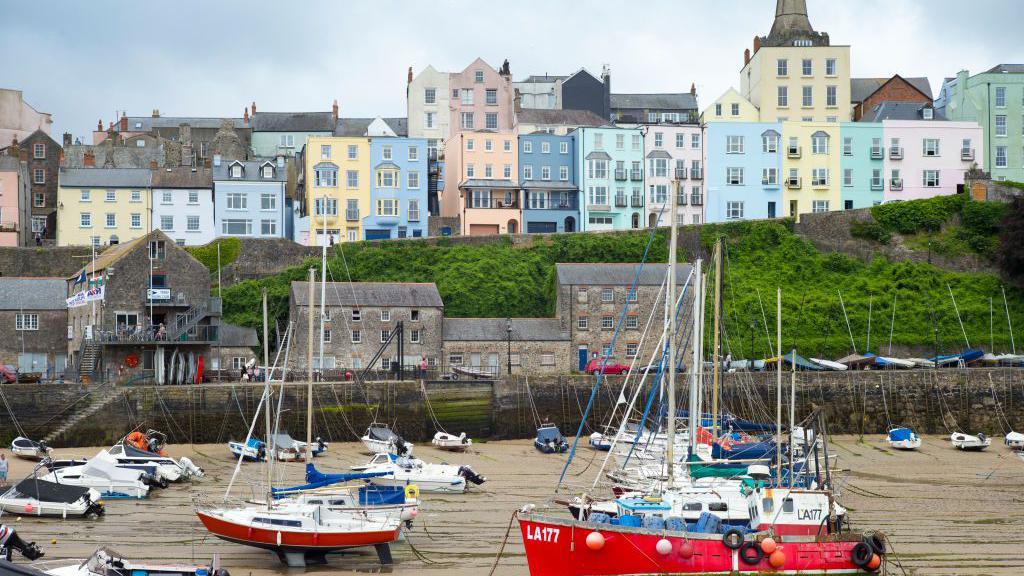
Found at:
<point>101,397</point>
<point>188,320</point>
<point>88,358</point>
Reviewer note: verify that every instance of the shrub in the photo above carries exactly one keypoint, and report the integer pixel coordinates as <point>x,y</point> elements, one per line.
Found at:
<point>207,254</point>
<point>918,215</point>
<point>870,231</point>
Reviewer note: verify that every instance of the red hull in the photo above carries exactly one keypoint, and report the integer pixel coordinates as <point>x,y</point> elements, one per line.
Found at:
<point>556,547</point>
<point>293,540</point>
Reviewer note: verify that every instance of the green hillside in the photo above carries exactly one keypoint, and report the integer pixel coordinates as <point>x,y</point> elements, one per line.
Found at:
<point>499,280</point>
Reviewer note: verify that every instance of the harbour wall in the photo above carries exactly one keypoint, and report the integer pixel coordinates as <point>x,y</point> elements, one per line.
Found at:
<point>975,400</point>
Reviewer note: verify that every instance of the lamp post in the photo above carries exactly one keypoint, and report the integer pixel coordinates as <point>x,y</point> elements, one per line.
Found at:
<point>508,342</point>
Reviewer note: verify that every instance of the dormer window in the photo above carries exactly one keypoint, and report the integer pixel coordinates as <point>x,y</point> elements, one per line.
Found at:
<point>267,171</point>
<point>928,113</point>
<point>236,171</point>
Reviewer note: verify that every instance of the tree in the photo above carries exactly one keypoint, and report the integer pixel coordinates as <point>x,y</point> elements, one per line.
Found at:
<point>1011,248</point>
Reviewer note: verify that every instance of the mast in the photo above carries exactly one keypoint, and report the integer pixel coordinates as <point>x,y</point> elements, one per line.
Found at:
<point>323,285</point>
<point>871,302</point>
<point>792,414</point>
<point>778,387</point>
<point>1013,345</point>
<point>717,336</point>
<point>957,310</point>
<point>670,302</point>
<point>694,416</point>
<point>848,329</point>
<point>266,395</point>
<point>309,367</point>
<point>991,328</point>
<point>892,323</point>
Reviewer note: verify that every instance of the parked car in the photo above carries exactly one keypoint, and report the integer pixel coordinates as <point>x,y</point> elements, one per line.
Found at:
<point>594,366</point>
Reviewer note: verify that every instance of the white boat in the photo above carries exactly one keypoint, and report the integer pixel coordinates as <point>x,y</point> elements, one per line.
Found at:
<point>380,438</point>
<point>921,362</point>
<point>29,449</point>
<point>104,476</point>
<point>970,443</point>
<point>106,562</point>
<point>167,468</point>
<point>451,442</point>
<point>38,497</point>
<point>602,442</point>
<point>406,470</point>
<point>830,364</point>
<point>903,438</point>
<point>254,450</point>
<point>1015,441</point>
<point>887,361</point>
<point>284,448</point>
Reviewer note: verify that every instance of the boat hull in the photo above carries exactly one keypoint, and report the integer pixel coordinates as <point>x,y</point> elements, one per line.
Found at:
<point>293,541</point>
<point>454,486</point>
<point>556,547</point>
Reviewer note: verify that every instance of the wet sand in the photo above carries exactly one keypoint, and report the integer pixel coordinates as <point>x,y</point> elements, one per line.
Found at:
<point>947,512</point>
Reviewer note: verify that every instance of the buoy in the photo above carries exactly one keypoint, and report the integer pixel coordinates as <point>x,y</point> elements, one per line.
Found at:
<point>595,541</point>
<point>874,563</point>
<point>414,512</point>
<point>777,559</point>
<point>28,508</point>
<point>54,541</point>
<point>768,546</point>
<point>664,547</point>
<point>686,550</point>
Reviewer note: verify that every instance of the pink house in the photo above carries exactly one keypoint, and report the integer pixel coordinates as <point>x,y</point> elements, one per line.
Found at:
<point>926,158</point>
<point>481,186</point>
<point>13,200</point>
<point>482,98</point>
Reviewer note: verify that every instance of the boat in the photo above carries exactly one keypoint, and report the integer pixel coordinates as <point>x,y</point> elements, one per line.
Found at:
<point>106,562</point>
<point>451,442</point>
<point>1014,441</point>
<point>459,371</point>
<point>104,476</point>
<point>960,360</point>
<point>549,439</point>
<point>29,449</point>
<point>287,449</point>
<point>836,366</point>
<point>903,438</point>
<point>148,472</point>
<point>381,438</point>
<point>889,362</point>
<point>167,468</point>
<point>253,450</point>
<point>394,470</point>
<point>37,497</point>
<point>602,442</point>
<point>969,443</point>
<point>857,361</point>
<point>921,362</point>
<point>374,500</point>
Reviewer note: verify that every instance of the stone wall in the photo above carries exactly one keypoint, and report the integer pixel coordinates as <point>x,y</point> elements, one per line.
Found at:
<point>436,223</point>
<point>38,262</point>
<point>258,258</point>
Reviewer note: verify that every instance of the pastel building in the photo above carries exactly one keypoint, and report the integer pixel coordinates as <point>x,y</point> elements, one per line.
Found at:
<point>249,198</point>
<point>862,165</point>
<point>610,174</point>
<point>398,189</point>
<point>97,206</point>
<point>284,133</point>
<point>547,179</point>
<point>810,166</point>
<point>674,153</point>
<point>14,202</point>
<point>480,185</point>
<point>428,96</point>
<point>335,182</point>
<point>481,98</point>
<point>995,100</point>
<point>183,204</point>
<point>744,176</point>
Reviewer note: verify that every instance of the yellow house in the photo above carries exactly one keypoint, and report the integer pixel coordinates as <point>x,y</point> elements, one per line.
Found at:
<point>101,206</point>
<point>811,167</point>
<point>730,107</point>
<point>337,187</point>
<point>794,73</point>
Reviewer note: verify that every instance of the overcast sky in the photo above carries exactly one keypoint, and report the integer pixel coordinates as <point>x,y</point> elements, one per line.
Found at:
<point>82,61</point>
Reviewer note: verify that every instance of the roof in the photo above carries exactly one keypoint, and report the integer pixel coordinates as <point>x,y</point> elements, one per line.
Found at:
<point>862,88</point>
<point>535,79</point>
<point>150,122</point>
<point>560,117</point>
<point>119,156</point>
<point>617,274</point>
<point>114,253</point>
<point>398,294</point>
<point>293,122</point>
<point>680,101</point>
<point>477,183</point>
<point>659,154</point>
<point>250,171</point>
<point>33,293</point>
<point>1006,69</point>
<point>547,185</point>
<point>897,111</point>
<point>238,336</point>
<point>183,177</point>
<point>106,177</point>
<point>598,155</point>
<point>359,126</point>
<point>496,329</point>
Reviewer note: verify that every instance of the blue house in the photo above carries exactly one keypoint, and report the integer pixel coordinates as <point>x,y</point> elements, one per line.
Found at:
<point>744,177</point>
<point>398,189</point>
<point>547,178</point>
<point>248,198</point>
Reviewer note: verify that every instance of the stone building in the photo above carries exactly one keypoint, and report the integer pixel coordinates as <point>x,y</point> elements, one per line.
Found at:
<point>590,302</point>
<point>194,137</point>
<point>359,319</point>
<point>32,318</point>
<point>866,93</point>
<point>501,346</point>
<point>43,156</point>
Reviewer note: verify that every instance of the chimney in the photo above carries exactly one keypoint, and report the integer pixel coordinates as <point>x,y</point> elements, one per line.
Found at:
<point>88,160</point>
<point>746,56</point>
<point>409,79</point>
<point>757,44</point>
<point>254,107</point>
<point>185,136</point>
<point>245,115</point>
<point>67,139</point>
<point>216,159</point>
<point>334,111</point>
<point>606,78</point>
<point>99,125</point>
<point>280,162</point>
<point>124,123</point>
<point>693,89</point>
<point>156,112</point>
<point>518,101</point>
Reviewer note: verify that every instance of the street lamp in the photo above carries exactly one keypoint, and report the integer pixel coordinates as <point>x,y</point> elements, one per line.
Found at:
<point>508,341</point>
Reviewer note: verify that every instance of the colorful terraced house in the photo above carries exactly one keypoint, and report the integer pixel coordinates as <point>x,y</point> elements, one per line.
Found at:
<point>547,179</point>
<point>398,189</point>
<point>610,175</point>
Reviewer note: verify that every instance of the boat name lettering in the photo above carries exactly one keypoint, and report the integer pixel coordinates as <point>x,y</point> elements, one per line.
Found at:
<point>545,534</point>
<point>809,514</point>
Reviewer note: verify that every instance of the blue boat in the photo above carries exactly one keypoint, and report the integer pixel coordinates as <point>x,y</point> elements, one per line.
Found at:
<point>600,442</point>
<point>317,479</point>
<point>962,359</point>
<point>748,451</point>
<point>549,440</point>
<point>254,450</point>
<point>903,438</point>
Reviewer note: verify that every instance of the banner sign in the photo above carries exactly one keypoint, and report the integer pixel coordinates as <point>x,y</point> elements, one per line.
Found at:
<point>159,293</point>
<point>84,297</point>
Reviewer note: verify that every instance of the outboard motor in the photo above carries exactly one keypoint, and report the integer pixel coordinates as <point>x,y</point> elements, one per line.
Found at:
<point>153,481</point>
<point>190,468</point>
<point>399,444</point>
<point>9,541</point>
<point>471,476</point>
<point>95,508</point>
<point>320,444</point>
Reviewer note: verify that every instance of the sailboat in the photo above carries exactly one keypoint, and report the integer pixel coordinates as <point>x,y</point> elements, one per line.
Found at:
<point>903,438</point>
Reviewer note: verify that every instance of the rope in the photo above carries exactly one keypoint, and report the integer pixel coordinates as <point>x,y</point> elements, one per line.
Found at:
<point>21,431</point>
<point>503,542</point>
<point>430,408</point>
<point>999,407</point>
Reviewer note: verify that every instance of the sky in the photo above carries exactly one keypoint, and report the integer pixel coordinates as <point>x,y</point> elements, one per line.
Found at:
<point>89,60</point>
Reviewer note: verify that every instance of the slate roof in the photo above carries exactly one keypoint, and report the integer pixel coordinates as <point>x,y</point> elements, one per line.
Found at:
<point>149,122</point>
<point>238,336</point>
<point>496,330</point>
<point>358,126</point>
<point>33,293</point>
<point>114,253</point>
<point>681,101</point>
<point>477,183</point>
<point>617,274</point>
<point>542,78</point>
<point>598,155</point>
<point>183,177</point>
<point>383,294</point>
<point>898,111</point>
<point>293,122</point>
<point>658,154</point>
<point>1006,69</point>
<point>121,156</point>
<point>250,172</point>
<point>560,117</point>
<point>547,185</point>
<point>9,163</point>
<point>105,177</point>
<point>862,88</point>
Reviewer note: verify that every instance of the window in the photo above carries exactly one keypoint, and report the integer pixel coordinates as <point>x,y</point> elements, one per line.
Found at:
<point>734,176</point>
<point>325,175</point>
<point>491,120</point>
<point>545,172</point>
<point>470,171</point>
<point>268,227</point>
<point>733,210</point>
<point>167,223</point>
<point>807,67</point>
<point>466,120</point>
<point>931,178</point>
<point>507,146</point>
<point>1000,97</point>
<point>466,95</point>
<point>193,197</point>
<point>581,323</point>
<point>783,96</point>
<point>192,223</point>
<point>620,141</point>
<point>819,143</point>
<point>39,200</point>
<point>598,169</point>
<point>830,67</point>
<point>545,147</point>
<point>352,178</point>
<point>428,119</point>
<point>385,315</point>
<point>488,171</point>
<point>478,76</point>
<point>718,109</point>
<point>563,147</point>
<point>353,152</point>
<point>1001,125</point>
<point>734,144</point>
<point>527,147</point>
<point>931,146</point>
<point>848,177</point>
<point>267,171</point>
<point>455,359</point>
<point>876,179</point>
<point>111,220</point>
<point>236,227</point>
<point>286,141</point>
<point>528,172</point>
<point>384,335</point>
<point>136,220</point>
<point>819,177</point>
<point>659,139</point>
<point>326,335</point>
<point>412,179</point>
<point>430,95</point>
<point>607,295</point>
<point>680,140</point>
<point>735,109</point>
<point>632,321</point>
<point>506,171</point>
<point>488,145</point>
<point>236,171</point>
<point>39,151</point>
<point>831,96</point>
<point>26,322</point>
<point>268,201</point>
<point>387,153</point>
<point>808,97</point>
<point>491,96</point>
<point>659,166</point>
<point>111,196</point>
<point>770,176</point>
<point>85,196</point>
<point>386,179</point>
<point>1000,156</point>
<point>39,176</point>
<point>563,173</point>
<point>237,201</point>
<point>387,207</point>
<point>847,146</point>
<point>631,349</point>
<point>782,67</point>
<point>770,142</point>
<point>325,206</point>
<point>607,323</point>
<point>356,316</point>
<point>819,206</point>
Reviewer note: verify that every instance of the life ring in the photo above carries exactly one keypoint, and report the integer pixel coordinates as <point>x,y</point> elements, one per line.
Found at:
<point>733,539</point>
<point>861,554</point>
<point>132,360</point>
<point>751,553</point>
<point>412,491</point>
<point>877,543</point>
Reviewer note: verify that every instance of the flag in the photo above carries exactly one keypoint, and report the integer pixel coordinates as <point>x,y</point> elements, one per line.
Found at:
<point>81,278</point>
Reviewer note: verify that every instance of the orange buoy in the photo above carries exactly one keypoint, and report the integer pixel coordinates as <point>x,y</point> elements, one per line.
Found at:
<point>777,559</point>
<point>768,546</point>
<point>686,550</point>
<point>595,541</point>
<point>874,563</point>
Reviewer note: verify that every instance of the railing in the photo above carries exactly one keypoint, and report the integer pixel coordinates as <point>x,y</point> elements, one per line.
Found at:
<point>876,152</point>
<point>351,215</point>
<point>681,198</point>
<point>896,184</point>
<point>493,204</point>
<point>620,174</point>
<point>620,200</point>
<point>877,184</point>
<point>794,151</point>
<point>205,333</point>
<point>432,155</point>
<point>165,297</point>
<point>636,201</point>
<point>599,207</point>
<point>681,173</point>
<point>896,153</point>
<point>967,154</point>
<point>696,199</point>
<point>696,174</point>
<point>794,183</point>
<point>553,205</point>
<point>636,174</point>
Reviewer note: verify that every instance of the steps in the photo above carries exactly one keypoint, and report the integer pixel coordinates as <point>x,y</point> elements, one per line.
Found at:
<point>188,320</point>
<point>101,397</point>
<point>88,359</point>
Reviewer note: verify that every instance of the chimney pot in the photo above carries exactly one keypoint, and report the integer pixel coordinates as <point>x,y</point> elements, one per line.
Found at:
<point>245,115</point>
<point>99,125</point>
<point>88,159</point>
<point>746,56</point>
<point>409,80</point>
<point>254,107</point>
<point>124,123</point>
<point>67,139</point>
<point>693,88</point>
<point>156,112</point>
<point>757,44</point>
<point>334,110</point>
<point>152,165</point>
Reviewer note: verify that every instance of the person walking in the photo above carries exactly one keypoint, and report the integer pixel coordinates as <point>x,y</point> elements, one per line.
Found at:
<point>423,367</point>
<point>3,470</point>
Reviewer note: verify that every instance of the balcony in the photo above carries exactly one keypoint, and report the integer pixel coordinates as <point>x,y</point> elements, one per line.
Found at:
<point>877,184</point>
<point>493,203</point>
<point>682,198</point>
<point>352,215</point>
<point>876,153</point>
<point>545,203</point>
<point>599,207</point>
<point>681,173</point>
<point>794,183</point>
<point>696,199</point>
<point>620,200</point>
<point>636,175</point>
<point>127,336</point>
<point>620,175</point>
<point>432,155</point>
<point>165,297</point>
<point>967,154</point>
<point>794,151</point>
<point>896,184</point>
<point>896,153</point>
<point>696,174</point>
<point>8,226</point>
<point>636,201</point>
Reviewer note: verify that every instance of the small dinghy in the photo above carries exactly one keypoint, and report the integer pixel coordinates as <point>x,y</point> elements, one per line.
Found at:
<point>600,442</point>
<point>29,449</point>
<point>836,366</point>
<point>106,562</point>
<point>969,443</point>
<point>549,440</point>
<point>380,438</point>
<point>903,438</point>
<point>1014,441</point>
<point>38,497</point>
<point>451,442</point>
<point>284,448</point>
<point>406,470</point>
<point>254,450</point>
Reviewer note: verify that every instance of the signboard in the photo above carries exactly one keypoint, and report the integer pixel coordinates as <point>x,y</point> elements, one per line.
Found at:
<point>158,293</point>
<point>93,294</point>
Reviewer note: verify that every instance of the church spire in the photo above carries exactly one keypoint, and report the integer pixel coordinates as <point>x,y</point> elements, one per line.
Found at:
<point>792,24</point>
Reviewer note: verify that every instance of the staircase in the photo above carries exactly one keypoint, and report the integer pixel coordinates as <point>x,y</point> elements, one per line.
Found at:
<point>190,319</point>
<point>88,358</point>
<point>100,398</point>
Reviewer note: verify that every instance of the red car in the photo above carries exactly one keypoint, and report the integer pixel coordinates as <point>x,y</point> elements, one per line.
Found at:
<point>594,366</point>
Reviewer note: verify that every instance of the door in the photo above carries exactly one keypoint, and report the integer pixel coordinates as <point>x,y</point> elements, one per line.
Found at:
<point>483,229</point>
<point>378,234</point>
<point>771,209</point>
<point>570,224</point>
<point>541,228</point>
<point>475,362</point>
<point>848,205</point>
<point>584,355</point>
<point>492,363</point>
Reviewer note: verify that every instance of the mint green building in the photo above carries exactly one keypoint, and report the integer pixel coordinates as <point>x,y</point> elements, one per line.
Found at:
<point>862,158</point>
<point>285,133</point>
<point>995,100</point>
